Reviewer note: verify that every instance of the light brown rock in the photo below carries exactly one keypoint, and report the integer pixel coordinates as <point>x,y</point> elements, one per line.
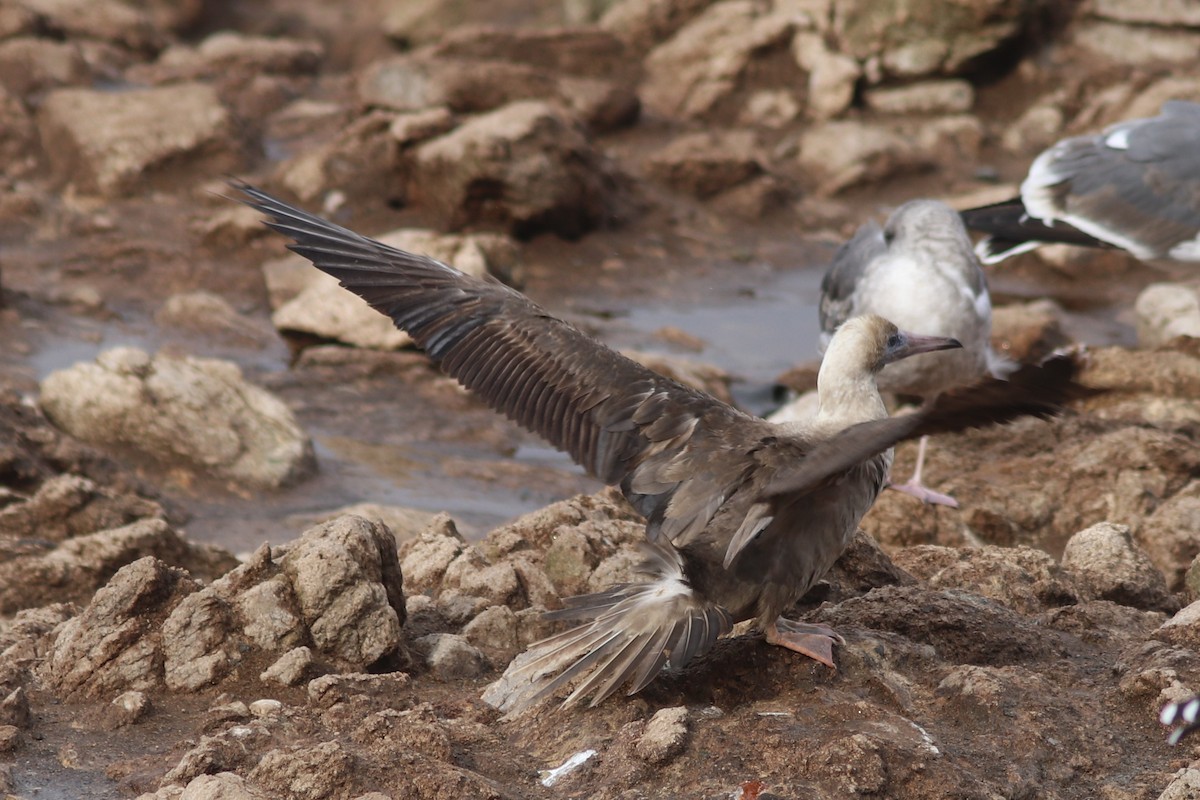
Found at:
<point>198,411</point>
<point>1108,565</point>
<point>111,143</point>
<point>525,167</point>
<point>347,579</point>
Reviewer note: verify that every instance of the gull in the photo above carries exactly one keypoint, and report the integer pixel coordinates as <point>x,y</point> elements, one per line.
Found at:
<point>742,515</point>
<point>1135,186</point>
<point>918,271</point>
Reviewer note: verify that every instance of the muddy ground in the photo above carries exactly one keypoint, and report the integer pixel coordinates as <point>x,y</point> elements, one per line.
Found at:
<point>185,413</point>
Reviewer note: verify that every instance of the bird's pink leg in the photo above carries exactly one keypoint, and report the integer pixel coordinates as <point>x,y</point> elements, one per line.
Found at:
<point>812,640</point>
<point>915,488</point>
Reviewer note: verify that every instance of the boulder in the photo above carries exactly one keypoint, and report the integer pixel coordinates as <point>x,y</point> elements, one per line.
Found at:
<point>524,167</point>
<point>199,412</point>
<point>112,144</point>
<point>1108,565</point>
<point>1167,310</point>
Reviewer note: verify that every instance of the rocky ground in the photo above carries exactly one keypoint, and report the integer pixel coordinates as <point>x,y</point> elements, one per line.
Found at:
<point>175,388</point>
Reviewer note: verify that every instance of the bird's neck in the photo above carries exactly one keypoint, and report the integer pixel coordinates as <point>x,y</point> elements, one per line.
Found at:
<point>846,400</point>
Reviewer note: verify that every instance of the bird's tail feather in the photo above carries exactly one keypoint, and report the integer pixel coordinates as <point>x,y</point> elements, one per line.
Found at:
<point>626,636</point>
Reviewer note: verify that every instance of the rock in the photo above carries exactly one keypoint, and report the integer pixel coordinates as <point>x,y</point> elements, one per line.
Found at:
<point>69,505</point>
<point>644,23</point>
<point>928,97</point>
<point>291,669</point>
<point>210,314</point>
<point>1184,785</point>
<point>699,68</point>
<point>1028,332</point>
<point>10,739</point>
<point>329,690</point>
<point>1171,534</point>
<point>1036,129</point>
<point>415,82</point>
<point>416,126</point>
<point>113,143</point>
<point>665,735</point>
<point>128,708</point>
<point>471,574</point>
<point>1191,580</point>
<point>266,708</point>
<point>404,522</point>
<point>106,20</point>
<point>938,36</point>
<point>582,51</point>
<point>347,579</point>
<point>222,786</point>
<point>964,628</point>
<point>494,632</point>
<point>14,709</point>
<point>1136,45</point>
<point>1167,310</point>
<point>450,656</point>
<point>846,153</point>
<point>113,645</point>
<point>770,108</point>
<point>1183,629</point>
<point>524,167</point>
<point>310,301</point>
<point>358,159</point>
<point>832,76</point>
<point>1166,13</point>
<point>569,561</point>
<point>227,53</point>
<point>854,764</point>
<point>268,614</point>
<point>29,65</point>
<point>1108,565</point>
<point>304,773</point>
<point>705,164</point>
<point>1022,578</point>
<point>198,410</point>
<point>236,748</point>
<point>18,137</point>
<point>426,559</point>
<point>197,647</point>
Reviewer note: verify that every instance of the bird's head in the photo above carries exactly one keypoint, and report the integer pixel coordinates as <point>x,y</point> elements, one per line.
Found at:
<point>869,343</point>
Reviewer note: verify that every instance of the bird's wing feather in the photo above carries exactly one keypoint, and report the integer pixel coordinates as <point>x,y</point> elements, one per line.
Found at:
<point>1135,185</point>
<point>675,451</point>
<point>849,265</point>
<point>1032,390</point>
<point>1011,230</point>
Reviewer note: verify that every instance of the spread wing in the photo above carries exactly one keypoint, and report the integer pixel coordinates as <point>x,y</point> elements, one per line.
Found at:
<point>677,453</point>
<point>1137,185</point>
<point>849,265</point>
<point>1038,390</point>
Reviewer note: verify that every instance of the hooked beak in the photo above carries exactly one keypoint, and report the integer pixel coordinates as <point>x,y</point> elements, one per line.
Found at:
<point>911,344</point>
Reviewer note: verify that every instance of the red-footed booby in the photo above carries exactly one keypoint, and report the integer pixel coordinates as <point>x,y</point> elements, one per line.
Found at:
<point>1135,186</point>
<point>742,515</point>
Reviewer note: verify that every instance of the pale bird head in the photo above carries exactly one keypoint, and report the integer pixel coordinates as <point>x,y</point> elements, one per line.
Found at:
<point>869,343</point>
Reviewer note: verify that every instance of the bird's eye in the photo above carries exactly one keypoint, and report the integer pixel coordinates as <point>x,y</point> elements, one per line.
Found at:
<point>888,235</point>
<point>894,341</point>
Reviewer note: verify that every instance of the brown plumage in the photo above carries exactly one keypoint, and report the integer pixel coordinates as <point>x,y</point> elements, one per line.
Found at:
<point>742,516</point>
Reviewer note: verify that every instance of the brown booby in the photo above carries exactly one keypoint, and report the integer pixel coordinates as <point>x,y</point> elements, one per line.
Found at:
<point>1135,186</point>
<point>920,272</point>
<point>742,515</point>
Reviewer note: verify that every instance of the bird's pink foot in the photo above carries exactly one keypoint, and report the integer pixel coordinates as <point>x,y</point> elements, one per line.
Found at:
<point>924,494</point>
<point>812,640</point>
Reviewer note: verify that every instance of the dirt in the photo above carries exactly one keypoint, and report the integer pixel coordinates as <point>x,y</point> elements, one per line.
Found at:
<point>995,651</point>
